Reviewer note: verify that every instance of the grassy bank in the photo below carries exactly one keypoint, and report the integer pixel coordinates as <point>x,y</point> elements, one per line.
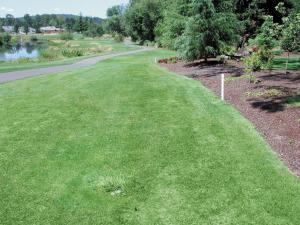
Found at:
<point>126,142</point>
<point>62,52</point>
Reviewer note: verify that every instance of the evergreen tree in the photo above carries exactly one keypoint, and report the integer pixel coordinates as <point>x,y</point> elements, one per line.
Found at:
<point>80,24</point>
<point>207,31</point>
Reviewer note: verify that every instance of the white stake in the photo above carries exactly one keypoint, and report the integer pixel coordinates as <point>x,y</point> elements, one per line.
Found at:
<point>222,86</point>
<point>155,60</point>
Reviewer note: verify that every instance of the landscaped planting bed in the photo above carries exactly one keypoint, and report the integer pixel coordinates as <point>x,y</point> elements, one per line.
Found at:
<point>271,104</point>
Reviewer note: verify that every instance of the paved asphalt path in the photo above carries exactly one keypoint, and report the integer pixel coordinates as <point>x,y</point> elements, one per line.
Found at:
<point>16,75</point>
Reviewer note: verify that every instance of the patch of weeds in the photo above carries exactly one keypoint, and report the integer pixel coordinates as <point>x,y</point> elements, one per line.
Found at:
<point>23,60</point>
<point>234,78</point>
<point>114,185</point>
<point>268,93</point>
<point>171,60</point>
<point>291,142</point>
<point>100,49</point>
<point>49,54</point>
<point>76,52</point>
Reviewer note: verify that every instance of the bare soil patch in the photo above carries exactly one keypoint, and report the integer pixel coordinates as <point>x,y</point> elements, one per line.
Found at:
<point>263,103</point>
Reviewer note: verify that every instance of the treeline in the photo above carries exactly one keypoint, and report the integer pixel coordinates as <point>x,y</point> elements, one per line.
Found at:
<point>204,28</point>
<point>71,23</point>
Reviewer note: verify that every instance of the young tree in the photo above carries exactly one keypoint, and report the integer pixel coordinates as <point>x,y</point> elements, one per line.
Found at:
<point>207,31</point>
<point>291,35</point>
<point>266,40</point>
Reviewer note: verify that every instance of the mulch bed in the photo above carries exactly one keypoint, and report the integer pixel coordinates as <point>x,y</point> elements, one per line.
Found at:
<point>263,103</point>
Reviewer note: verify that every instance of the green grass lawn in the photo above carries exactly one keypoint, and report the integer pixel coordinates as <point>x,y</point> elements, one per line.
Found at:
<point>126,142</point>
<point>280,63</point>
<point>87,44</point>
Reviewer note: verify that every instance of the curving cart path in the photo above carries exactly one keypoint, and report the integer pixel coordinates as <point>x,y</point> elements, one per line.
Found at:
<point>16,75</point>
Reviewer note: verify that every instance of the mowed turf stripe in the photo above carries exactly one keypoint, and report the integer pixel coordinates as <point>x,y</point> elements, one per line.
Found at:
<point>126,142</point>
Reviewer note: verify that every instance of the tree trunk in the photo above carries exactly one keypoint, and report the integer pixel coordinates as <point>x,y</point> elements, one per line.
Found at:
<point>287,63</point>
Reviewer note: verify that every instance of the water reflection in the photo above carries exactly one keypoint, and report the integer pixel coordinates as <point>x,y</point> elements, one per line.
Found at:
<point>28,50</point>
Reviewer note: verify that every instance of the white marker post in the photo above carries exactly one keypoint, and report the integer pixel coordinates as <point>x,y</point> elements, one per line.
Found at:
<point>222,87</point>
<point>155,60</point>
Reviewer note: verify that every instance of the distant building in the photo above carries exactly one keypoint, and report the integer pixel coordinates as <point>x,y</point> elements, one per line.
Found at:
<point>8,29</point>
<point>30,30</point>
<point>51,30</point>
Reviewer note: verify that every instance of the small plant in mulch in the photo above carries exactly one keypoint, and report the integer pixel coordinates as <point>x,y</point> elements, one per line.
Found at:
<point>268,93</point>
<point>222,59</point>
<point>171,60</point>
<point>253,63</point>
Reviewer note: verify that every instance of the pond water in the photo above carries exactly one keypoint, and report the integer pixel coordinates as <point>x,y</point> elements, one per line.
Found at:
<point>19,51</point>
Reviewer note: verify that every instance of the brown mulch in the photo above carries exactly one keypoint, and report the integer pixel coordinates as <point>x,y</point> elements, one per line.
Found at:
<point>279,124</point>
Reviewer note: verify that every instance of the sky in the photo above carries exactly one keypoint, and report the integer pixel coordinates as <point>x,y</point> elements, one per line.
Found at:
<point>95,8</point>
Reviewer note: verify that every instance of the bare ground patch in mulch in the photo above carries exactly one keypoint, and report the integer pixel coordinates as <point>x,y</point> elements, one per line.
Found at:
<point>264,103</point>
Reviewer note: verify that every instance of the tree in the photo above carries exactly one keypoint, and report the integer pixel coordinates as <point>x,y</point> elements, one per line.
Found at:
<point>116,10</point>
<point>37,23</point>
<point>70,24</point>
<point>171,27</point>
<point>27,20</point>
<point>291,35</point>
<point>26,29</point>
<point>142,17</point>
<point>114,24</point>
<point>266,40</point>
<point>10,20</point>
<point>81,25</point>
<point>115,21</point>
<point>207,31</point>
<point>17,26</point>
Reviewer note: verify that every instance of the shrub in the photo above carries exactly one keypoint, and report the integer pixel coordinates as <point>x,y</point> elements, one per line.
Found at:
<point>149,43</point>
<point>222,58</point>
<point>5,39</point>
<point>253,62</point>
<point>34,38</point>
<point>72,52</point>
<point>66,36</point>
<point>15,40</point>
<point>118,37</point>
<point>23,60</point>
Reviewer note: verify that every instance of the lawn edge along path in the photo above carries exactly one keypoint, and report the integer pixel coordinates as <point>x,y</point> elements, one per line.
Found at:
<point>17,75</point>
